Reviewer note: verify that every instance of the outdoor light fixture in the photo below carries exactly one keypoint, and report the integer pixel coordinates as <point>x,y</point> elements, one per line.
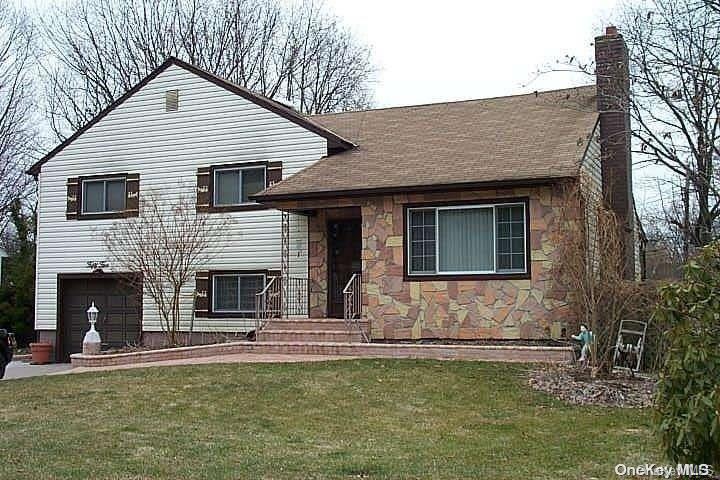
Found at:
<point>91,342</point>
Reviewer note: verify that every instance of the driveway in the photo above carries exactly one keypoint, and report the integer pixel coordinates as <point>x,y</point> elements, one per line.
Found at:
<point>22,370</point>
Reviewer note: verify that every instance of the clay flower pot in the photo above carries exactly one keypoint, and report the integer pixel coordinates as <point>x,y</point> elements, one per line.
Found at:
<point>40,353</point>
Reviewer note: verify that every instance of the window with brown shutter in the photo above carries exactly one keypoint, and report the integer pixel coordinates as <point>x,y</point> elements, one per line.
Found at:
<point>103,196</point>
<point>228,293</point>
<point>230,187</point>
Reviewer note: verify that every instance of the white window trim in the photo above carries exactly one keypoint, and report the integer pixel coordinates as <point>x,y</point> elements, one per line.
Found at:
<point>495,270</point>
<point>240,189</point>
<point>105,182</point>
<point>239,274</point>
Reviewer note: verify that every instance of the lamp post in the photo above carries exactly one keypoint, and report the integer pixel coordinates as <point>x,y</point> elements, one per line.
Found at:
<point>91,342</point>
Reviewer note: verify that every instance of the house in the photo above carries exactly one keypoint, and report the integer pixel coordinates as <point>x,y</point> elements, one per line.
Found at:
<point>429,221</point>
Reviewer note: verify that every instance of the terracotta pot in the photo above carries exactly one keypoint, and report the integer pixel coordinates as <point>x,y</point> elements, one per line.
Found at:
<point>40,353</point>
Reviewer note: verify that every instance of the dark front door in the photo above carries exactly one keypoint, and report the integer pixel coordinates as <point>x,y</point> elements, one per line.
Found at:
<point>119,320</point>
<point>344,245</point>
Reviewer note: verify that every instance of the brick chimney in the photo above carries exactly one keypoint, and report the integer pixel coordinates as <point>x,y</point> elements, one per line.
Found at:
<point>613,92</point>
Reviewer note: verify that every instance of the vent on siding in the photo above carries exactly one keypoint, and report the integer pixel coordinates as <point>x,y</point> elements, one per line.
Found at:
<point>172,98</point>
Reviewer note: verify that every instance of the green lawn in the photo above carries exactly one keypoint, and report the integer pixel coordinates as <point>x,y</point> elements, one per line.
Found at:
<point>345,419</point>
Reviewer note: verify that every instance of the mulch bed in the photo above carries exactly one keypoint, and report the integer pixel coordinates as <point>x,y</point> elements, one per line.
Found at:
<point>573,384</point>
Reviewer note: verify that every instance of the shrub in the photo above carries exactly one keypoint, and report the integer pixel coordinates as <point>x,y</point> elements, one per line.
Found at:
<point>688,399</point>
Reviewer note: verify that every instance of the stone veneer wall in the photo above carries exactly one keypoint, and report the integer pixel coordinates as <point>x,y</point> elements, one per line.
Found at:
<point>317,264</point>
<point>462,309</point>
<point>448,309</point>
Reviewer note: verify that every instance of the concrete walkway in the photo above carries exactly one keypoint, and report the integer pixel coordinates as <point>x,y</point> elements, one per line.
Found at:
<point>17,369</point>
<point>24,370</point>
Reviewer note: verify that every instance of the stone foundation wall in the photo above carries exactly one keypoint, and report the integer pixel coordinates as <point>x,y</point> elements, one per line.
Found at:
<point>460,309</point>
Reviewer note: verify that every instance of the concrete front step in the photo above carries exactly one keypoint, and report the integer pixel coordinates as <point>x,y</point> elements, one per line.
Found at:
<point>276,335</point>
<point>310,324</point>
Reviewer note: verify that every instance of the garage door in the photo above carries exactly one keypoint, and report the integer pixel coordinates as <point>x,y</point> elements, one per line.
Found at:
<point>119,320</point>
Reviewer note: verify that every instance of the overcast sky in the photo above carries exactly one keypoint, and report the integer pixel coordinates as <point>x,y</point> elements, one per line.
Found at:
<point>444,50</point>
<point>431,51</point>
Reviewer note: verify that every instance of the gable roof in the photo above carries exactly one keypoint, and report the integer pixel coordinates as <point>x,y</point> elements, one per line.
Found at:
<point>532,138</point>
<point>335,142</point>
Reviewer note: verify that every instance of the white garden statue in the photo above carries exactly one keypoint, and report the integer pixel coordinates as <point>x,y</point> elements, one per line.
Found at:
<point>586,337</point>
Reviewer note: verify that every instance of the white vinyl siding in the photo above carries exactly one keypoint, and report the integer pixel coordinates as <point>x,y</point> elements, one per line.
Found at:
<point>212,127</point>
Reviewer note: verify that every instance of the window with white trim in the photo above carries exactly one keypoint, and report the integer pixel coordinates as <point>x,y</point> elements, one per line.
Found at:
<point>103,196</point>
<point>235,293</point>
<point>467,239</point>
<point>233,186</point>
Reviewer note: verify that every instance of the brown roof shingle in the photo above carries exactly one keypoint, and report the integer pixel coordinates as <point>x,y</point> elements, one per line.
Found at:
<point>505,139</point>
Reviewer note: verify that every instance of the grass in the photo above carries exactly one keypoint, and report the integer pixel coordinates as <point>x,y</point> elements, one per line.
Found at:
<point>345,419</point>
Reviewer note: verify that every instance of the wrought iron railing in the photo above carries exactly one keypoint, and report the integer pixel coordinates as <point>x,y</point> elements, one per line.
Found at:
<point>297,296</point>
<point>269,301</point>
<point>352,304</point>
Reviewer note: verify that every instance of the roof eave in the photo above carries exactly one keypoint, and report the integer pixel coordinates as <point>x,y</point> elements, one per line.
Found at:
<point>361,192</point>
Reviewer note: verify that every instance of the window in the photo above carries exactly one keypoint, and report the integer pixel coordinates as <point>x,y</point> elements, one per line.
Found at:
<point>233,186</point>
<point>101,196</point>
<point>235,293</point>
<point>467,239</point>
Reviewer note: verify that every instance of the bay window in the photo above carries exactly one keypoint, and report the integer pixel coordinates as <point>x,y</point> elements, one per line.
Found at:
<point>467,239</point>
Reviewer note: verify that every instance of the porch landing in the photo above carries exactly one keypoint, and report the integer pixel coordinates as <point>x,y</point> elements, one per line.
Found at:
<point>493,353</point>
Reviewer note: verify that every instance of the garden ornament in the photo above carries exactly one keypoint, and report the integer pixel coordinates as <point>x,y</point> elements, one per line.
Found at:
<point>92,342</point>
<point>586,337</point>
<point>630,345</point>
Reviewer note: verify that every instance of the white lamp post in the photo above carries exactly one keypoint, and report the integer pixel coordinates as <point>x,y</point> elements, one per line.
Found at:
<point>91,342</point>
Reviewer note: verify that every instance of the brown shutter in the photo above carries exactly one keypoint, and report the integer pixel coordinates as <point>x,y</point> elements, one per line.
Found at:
<point>132,194</point>
<point>73,198</point>
<point>202,294</point>
<point>203,189</point>
<point>274,173</point>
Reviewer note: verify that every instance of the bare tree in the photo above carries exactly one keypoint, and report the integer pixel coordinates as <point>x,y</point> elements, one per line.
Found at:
<point>674,104</point>
<point>98,49</point>
<point>161,249</point>
<point>675,72</point>
<point>591,248</point>
<point>17,120</point>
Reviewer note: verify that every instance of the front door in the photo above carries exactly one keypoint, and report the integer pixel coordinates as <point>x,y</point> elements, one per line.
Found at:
<point>344,245</point>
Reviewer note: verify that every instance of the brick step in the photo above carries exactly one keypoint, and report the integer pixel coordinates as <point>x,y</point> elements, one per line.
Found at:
<point>310,324</point>
<point>343,335</point>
